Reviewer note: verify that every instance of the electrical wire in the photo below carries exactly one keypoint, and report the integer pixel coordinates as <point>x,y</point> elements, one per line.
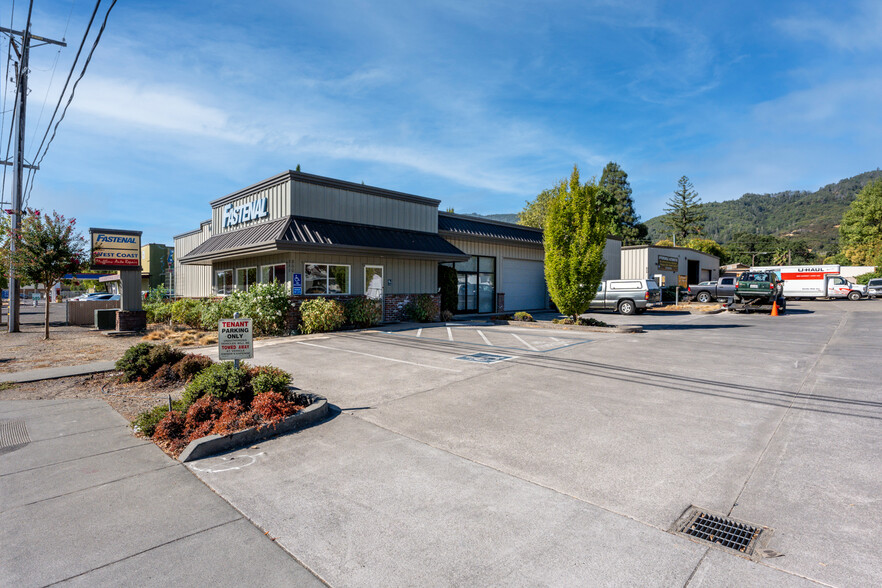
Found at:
<point>6,79</point>
<point>37,163</point>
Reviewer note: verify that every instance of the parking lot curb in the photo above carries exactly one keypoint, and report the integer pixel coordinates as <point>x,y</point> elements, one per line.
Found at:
<point>560,327</point>
<point>213,444</point>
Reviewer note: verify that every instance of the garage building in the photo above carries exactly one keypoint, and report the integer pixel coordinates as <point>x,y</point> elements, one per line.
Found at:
<point>641,262</point>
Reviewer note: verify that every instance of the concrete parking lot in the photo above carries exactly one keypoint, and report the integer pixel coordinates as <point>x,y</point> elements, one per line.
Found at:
<point>567,462</point>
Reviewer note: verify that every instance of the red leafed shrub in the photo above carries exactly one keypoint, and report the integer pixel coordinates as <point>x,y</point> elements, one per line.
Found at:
<point>272,407</point>
<point>190,365</point>
<point>164,375</point>
<point>170,427</point>
<point>204,410</point>
<point>229,420</point>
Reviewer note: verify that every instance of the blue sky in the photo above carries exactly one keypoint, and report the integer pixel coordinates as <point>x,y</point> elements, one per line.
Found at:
<point>479,104</point>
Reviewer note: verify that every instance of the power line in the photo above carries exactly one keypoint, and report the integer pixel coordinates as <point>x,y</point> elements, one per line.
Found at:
<point>31,173</point>
<point>6,80</point>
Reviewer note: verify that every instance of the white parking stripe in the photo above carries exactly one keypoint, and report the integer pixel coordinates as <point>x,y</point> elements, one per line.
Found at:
<point>420,332</point>
<point>524,342</point>
<point>376,356</point>
<point>486,340</point>
<point>449,334</point>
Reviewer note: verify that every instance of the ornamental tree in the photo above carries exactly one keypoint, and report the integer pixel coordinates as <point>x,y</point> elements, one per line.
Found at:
<point>47,247</point>
<point>574,237</point>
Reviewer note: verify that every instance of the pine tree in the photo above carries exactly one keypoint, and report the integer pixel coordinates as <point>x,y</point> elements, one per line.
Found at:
<point>574,238</point>
<point>684,210</point>
<point>616,200</point>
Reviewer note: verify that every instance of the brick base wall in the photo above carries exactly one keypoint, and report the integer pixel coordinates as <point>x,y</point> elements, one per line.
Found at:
<point>131,320</point>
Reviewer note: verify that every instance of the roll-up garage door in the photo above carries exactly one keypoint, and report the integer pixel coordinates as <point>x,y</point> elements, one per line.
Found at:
<point>523,283</point>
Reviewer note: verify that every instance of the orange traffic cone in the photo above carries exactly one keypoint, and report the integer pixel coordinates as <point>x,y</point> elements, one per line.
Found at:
<point>774,309</point>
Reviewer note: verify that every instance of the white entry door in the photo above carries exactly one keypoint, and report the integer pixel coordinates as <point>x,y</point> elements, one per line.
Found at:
<point>373,282</point>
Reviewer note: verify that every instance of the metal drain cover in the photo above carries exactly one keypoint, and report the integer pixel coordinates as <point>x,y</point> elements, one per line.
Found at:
<point>484,357</point>
<point>722,531</point>
<point>13,435</point>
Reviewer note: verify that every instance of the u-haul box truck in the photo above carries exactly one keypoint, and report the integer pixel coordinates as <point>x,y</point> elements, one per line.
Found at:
<point>814,281</point>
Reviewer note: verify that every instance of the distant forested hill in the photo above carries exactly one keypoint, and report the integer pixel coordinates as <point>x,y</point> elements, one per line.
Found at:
<point>506,218</point>
<point>810,216</point>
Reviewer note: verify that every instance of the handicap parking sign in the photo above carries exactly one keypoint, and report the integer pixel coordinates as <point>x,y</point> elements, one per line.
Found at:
<point>296,284</point>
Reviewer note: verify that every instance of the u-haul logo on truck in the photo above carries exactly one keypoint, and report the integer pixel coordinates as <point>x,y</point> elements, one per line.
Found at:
<point>233,215</point>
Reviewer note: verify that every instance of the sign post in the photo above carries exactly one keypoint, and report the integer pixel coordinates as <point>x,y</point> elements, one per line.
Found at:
<point>235,339</point>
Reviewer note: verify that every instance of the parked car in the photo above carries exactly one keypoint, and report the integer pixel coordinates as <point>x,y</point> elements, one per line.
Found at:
<point>626,296</point>
<point>96,296</point>
<point>874,288</point>
<point>713,290</point>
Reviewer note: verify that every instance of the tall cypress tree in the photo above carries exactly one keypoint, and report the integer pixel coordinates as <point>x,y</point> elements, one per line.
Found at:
<point>574,237</point>
<point>616,200</point>
<point>684,210</point>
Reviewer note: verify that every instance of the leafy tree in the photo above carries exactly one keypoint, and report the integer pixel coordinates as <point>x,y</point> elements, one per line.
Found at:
<point>616,201</point>
<point>752,249</point>
<point>575,236</point>
<point>860,232</point>
<point>533,214</point>
<point>47,247</point>
<point>684,211</point>
<point>707,246</point>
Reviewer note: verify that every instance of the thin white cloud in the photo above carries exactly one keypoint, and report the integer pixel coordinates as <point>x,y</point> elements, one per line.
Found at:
<point>862,32</point>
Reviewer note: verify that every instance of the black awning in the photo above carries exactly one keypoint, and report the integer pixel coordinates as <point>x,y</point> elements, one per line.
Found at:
<point>466,226</point>
<point>302,233</point>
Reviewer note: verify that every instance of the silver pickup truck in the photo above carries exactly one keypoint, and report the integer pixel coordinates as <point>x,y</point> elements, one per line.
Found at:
<point>626,296</point>
<point>716,290</point>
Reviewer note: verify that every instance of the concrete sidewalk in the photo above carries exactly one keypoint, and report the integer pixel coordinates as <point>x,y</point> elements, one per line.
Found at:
<point>86,503</point>
<point>53,373</point>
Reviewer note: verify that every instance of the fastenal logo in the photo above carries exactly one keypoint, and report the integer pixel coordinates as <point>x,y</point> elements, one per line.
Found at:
<point>233,215</point>
<point>114,239</point>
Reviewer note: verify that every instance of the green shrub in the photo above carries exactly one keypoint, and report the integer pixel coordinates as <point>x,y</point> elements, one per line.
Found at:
<point>214,310</point>
<point>158,312</point>
<point>320,315</point>
<point>141,361</point>
<point>446,315</point>
<point>269,378</point>
<point>364,312</point>
<point>865,278</point>
<point>270,308</point>
<point>187,311</point>
<point>134,362</point>
<point>190,365</point>
<point>222,381</point>
<point>524,316</point>
<point>422,308</point>
<point>448,287</point>
<point>157,294</point>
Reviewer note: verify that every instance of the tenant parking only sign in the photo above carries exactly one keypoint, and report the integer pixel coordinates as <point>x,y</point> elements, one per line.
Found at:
<point>234,339</point>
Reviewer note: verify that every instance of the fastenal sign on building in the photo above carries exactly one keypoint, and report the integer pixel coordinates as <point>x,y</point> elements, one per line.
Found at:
<point>235,339</point>
<point>115,249</point>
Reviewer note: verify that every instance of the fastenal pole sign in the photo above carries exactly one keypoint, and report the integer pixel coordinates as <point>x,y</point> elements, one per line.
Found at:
<point>115,249</point>
<point>235,339</point>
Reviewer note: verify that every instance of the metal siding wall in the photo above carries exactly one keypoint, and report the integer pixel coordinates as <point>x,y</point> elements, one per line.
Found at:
<point>634,263</point>
<point>191,281</point>
<point>347,206</point>
<point>278,206</point>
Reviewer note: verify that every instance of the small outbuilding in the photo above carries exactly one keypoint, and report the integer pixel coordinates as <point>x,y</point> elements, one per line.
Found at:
<point>641,262</point>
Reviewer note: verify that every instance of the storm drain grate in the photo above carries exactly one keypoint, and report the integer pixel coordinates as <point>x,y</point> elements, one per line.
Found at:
<point>484,357</point>
<point>13,435</point>
<point>723,531</point>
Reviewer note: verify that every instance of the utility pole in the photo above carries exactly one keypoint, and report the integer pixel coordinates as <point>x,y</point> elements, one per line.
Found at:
<point>21,92</point>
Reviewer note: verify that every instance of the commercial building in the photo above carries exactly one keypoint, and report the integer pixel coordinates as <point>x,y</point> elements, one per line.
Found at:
<point>326,237</point>
<point>641,262</point>
<point>157,266</point>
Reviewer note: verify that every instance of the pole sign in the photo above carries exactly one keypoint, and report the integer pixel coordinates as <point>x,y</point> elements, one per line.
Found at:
<point>114,249</point>
<point>682,281</point>
<point>235,339</point>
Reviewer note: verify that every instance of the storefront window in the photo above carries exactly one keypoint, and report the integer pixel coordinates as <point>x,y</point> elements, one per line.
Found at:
<point>476,284</point>
<point>272,273</point>
<point>321,278</point>
<point>245,278</point>
<point>223,282</point>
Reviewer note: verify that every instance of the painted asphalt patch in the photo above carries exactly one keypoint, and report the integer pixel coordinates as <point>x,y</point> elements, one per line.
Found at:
<point>491,337</point>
